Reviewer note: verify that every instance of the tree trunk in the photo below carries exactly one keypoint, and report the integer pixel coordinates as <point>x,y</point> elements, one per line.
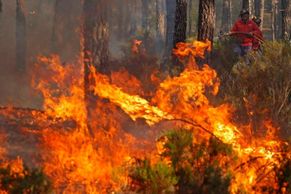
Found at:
<point>190,19</point>
<point>276,22</point>
<point>95,49</point>
<point>180,22</point>
<point>20,37</point>
<point>206,19</point>
<point>257,8</point>
<point>286,19</point>
<point>170,11</point>
<point>0,6</point>
<point>145,22</point>
<point>96,34</point>
<point>273,20</point>
<point>261,12</point>
<point>133,19</point>
<point>245,4</point>
<point>160,24</point>
<point>226,15</point>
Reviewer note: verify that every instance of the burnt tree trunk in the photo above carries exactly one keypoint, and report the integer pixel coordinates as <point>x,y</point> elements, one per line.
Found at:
<point>180,22</point>
<point>96,34</point>
<point>226,15</point>
<point>206,20</point>
<point>286,20</point>
<point>20,37</point>
<point>95,48</point>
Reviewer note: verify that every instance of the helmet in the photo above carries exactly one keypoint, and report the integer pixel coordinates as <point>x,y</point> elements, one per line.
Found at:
<point>243,12</point>
<point>258,21</point>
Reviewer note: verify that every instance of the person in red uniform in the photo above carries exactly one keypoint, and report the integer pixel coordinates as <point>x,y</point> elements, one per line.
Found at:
<point>244,30</point>
<point>258,36</point>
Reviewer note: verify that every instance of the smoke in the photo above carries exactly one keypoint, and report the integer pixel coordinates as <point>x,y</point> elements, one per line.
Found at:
<point>55,27</point>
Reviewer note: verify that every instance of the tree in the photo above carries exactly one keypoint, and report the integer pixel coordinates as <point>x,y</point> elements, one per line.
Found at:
<point>170,9</point>
<point>180,21</point>
<point>20,36</point>
<point>226,15</point>
<point>96,43</point>
<point>145,22</point>
<point>206,19</point>
<point>286,19</point>
<point>160,23</point>
<point>245,4</point>
<point>96,34</point>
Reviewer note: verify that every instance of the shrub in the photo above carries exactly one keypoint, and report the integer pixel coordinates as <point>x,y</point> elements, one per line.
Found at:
<point>262,88</point>
<point>191,167</point>
<point>16,178</point>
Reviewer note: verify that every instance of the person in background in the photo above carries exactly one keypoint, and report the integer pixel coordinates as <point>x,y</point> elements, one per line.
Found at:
<point>244,30</point>
<point>258,39</point>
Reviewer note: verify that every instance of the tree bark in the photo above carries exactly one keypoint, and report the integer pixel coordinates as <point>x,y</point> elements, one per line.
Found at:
<point>226,15</point>
<point>286,19</point>
<point>257,8</point>
<point>145,22</point>
<point>96,34</point>
<point>261,12</point>
<point>133,20</point>
<point>170,11</point>
<point>206,19</point>
<point>20,37</point>
<point>273,20</point>
<point>95,48</point>
<point>245,4</point>
<point>160,24</point>
<point>180,22</point>
<point>190,19</point>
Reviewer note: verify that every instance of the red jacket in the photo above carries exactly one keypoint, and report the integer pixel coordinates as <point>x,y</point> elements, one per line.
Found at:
<point>248,27</point>
<point>257,41</point>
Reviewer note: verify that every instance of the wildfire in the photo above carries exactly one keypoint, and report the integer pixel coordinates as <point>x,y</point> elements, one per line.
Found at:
<point>89,158</point>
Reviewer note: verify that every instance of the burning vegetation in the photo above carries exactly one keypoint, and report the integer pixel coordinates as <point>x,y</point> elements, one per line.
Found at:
<point>171,138</point>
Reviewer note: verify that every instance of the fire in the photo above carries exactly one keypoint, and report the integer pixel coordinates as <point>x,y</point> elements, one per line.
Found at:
<point>183,98</point>
<point>135,46</point>
<point>92,155</point>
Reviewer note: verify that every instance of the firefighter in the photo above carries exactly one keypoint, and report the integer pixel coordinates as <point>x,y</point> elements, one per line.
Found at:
<point>258,36</point>
<point>244,30</point>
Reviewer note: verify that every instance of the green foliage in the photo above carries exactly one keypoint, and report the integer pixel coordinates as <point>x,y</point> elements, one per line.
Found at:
<point>154,179</point>
<point>27,181</point>
<point>193,167</point>
<point>197,165</point>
